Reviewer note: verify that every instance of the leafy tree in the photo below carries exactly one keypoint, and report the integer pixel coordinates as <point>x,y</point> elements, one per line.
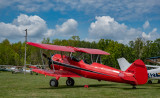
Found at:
<point>13,53</point>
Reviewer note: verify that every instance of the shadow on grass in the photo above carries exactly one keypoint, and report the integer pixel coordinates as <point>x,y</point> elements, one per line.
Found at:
<point>133,89</point>
<point>154,85</point>
<point>79,86</point>
<point>94,85</point>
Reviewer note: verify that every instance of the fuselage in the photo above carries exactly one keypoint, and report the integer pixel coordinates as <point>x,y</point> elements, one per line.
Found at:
<point>154,73</point>
<point>93,71</point>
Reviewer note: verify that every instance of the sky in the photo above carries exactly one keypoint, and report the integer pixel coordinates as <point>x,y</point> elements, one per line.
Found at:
<point>91,20</point>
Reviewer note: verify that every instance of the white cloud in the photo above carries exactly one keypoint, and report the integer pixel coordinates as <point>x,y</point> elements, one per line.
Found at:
<point>50,33</point>
<point>146,25</point>
<point>15,30</point>
<point>37,28</point>
<point>107,28</point>
<point>68,28</point>
<point>151,35</point>
<point>144,35</point>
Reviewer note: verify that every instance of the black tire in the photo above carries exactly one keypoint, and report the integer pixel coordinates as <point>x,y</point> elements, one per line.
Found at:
<point>158,81</point>
<point>53,83</point>
<point>70,82</point>
<point>134,87</point>
<point>149,82</point>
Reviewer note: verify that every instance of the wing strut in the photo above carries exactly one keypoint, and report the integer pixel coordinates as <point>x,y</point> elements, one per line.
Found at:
<point>52,62</point>
<point>41,56</point>
<point>91,58</point>
<point>97,58</point>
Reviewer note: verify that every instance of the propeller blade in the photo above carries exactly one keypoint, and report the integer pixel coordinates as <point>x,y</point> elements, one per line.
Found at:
<point>49,60</point>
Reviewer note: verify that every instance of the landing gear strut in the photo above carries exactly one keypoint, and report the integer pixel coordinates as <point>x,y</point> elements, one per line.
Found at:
<point>134,87</point>
<point>70,82</point>
<point>149,82</point>
<point>53,83</point>
<point>158,81</point>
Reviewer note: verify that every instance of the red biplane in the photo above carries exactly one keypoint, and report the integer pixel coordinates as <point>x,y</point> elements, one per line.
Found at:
<point>68,66</point>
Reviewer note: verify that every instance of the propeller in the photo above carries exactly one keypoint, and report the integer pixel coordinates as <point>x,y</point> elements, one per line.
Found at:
<point>49,60</point>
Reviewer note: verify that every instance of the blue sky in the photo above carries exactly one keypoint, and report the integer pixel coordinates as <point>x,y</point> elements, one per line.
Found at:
<point>119,20</point>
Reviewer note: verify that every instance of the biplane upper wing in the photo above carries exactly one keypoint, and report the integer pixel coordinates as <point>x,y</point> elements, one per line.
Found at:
<point>91,51</point>
<point>56,73</point>
<point>68,48</point>
<point>51,47</point>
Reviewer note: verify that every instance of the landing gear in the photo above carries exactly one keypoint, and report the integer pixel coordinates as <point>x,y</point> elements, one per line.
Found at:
<point>53,83</point>
<point>149,82</point>
<point>134,87</point>
<point>158,81</point>
<point>70,82</point>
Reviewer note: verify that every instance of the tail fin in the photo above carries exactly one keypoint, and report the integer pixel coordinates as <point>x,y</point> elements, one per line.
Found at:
<point>139,70</point>
<point>123,63</point>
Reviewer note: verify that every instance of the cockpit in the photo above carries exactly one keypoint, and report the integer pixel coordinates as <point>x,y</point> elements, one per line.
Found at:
<point>86,58</point>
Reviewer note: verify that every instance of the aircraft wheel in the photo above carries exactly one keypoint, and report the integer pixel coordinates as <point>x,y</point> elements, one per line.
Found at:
<point>70,82</point>
<point>158,81</point>
<point>149,82</point>
<point>134,87</point>
<point>53,83</point>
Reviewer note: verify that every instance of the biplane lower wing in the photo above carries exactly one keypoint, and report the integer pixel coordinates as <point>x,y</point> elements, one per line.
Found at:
<point>56,73</point>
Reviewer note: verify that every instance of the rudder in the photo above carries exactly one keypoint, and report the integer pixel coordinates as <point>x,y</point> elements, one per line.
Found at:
<point>139,70</point>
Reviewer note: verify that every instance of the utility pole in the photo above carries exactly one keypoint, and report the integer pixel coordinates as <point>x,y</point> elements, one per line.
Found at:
<point>25,53</point>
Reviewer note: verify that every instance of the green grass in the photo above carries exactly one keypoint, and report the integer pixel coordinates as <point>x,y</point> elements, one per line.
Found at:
<point>20,85</point>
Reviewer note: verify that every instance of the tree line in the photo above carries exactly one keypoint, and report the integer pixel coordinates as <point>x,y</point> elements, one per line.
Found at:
<point>13,53</point>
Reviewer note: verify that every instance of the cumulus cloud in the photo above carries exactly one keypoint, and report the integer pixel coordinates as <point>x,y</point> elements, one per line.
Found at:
<point>107,28</point>
<point>37,28</point>
<point>68,28</point>
<point>146,25</point>
<point>151,35</point>
<point>35,25</point>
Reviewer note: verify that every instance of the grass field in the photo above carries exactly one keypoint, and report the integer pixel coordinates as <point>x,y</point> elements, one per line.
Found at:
<point>20,85</point>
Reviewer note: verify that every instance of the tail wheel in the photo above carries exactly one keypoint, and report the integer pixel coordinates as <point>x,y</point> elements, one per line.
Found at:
<point>149,82</point>
<point>53,83</point>
<point>133,86</point>
<point>70,82</point>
